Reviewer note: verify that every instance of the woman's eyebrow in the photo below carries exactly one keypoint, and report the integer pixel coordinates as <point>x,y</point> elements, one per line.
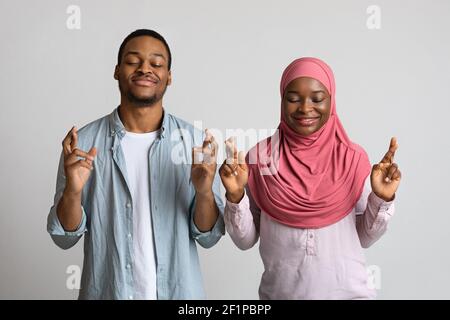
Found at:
<point>315,91</point>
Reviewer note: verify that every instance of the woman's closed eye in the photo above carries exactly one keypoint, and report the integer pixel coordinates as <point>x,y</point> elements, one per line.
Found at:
<point>318,98</point>
<point>293,98</point>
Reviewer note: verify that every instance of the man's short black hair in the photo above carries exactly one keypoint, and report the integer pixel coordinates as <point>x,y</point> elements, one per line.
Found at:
<point>144,32</point>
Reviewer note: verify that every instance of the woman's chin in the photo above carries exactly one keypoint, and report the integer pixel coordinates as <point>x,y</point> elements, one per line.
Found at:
<point>304,131</point>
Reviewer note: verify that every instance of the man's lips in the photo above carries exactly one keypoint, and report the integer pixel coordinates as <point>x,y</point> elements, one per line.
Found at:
<point>144,82</point>
<point>307,121</point>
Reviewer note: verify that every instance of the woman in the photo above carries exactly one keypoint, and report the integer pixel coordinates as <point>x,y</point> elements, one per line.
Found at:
<point>309,198</point>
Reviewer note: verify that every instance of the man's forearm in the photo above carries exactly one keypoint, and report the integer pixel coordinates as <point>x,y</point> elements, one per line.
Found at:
<point>206,211</point>
<point>69,211</point>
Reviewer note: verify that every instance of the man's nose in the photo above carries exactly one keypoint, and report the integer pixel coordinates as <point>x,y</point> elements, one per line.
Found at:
<point>145,67</point>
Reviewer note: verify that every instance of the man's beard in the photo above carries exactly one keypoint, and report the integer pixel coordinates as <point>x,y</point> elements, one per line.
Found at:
<point>143,102</point>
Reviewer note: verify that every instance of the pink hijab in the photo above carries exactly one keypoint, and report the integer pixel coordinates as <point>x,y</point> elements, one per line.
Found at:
<point>320,177</point>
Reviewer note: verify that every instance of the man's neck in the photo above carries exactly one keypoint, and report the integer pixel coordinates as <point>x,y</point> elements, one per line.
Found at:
<point>141,119</point>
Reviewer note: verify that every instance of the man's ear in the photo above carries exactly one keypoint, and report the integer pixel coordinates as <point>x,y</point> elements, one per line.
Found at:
<point>169,78</point>
<point>116,72</point>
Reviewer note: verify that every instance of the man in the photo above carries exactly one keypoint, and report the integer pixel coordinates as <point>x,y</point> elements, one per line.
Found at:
<point>134,195</point>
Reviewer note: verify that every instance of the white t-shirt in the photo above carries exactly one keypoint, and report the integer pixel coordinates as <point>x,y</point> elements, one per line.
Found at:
<point>136,147</point>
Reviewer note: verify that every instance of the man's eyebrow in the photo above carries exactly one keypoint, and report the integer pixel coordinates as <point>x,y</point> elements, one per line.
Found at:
<point>153,54</point>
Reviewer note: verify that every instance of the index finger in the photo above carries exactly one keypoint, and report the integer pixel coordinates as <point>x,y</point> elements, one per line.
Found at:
<point>197,155</point>
<point>66,142</point>
<point>207,140</point>
<point>74,142</point>
<point>214,146</point>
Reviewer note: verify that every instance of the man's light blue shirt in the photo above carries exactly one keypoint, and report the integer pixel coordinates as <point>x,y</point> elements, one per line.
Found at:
<point>107,223</point>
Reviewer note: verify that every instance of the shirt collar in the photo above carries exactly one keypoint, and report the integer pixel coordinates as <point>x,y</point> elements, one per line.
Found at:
<point>116,126</point>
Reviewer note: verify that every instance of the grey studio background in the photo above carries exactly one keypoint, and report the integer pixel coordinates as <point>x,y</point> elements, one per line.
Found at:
<point>228,57</point>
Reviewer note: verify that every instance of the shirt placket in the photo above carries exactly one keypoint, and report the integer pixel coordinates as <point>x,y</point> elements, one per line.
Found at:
<point>310,242</point>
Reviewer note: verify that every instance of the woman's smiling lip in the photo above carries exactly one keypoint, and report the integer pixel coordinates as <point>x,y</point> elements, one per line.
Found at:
<point>307,121</point>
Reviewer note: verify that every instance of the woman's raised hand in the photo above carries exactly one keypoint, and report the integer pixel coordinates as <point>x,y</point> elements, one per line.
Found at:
<point>234,172</point>
<point>385,177</point>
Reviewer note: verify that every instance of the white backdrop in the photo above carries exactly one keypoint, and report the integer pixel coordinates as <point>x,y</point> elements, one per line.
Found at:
<point>227,61</point>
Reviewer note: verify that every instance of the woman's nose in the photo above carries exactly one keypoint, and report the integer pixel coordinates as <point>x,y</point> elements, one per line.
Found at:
<point>305,107</point>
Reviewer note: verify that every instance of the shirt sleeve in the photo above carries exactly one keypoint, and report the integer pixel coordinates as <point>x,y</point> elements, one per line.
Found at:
<point>373,215</point>
<point>209,238</point>
<point>62,238</point>
<point>242,221</point>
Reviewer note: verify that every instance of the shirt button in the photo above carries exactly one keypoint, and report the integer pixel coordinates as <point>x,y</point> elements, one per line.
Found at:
<point>128,205</point>
<point>128,266</point>
<point>311,236</point>
<point>130,297</point>
<point>129,236</point>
